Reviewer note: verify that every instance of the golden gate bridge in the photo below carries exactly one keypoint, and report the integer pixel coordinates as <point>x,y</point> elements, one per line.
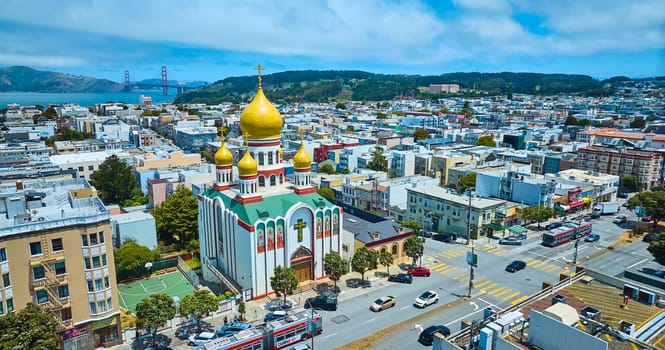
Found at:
<point>164,84</point>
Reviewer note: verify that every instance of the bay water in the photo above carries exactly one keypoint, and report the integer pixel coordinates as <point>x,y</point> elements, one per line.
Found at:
<point>82,99</point>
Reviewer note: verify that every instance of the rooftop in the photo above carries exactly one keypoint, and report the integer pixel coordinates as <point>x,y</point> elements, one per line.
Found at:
<point>443,194</point>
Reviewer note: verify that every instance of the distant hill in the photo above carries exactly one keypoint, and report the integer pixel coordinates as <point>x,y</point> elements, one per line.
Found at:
<point>321,86</point>
<point>25,79</point>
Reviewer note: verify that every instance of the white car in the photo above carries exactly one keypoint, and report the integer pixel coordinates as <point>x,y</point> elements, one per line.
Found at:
<point>620,219</point>
<point>426,299</point>
<point>202,338</point>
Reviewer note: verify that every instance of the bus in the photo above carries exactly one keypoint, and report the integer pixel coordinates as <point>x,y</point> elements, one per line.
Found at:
<point>565,233</point>
<point>273,335</point>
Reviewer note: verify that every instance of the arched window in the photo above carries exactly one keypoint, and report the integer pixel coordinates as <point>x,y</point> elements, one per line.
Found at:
<point>281,178</point>
<point>270,158</point>
<point>262,181</point>
<point>260,158</point>
<point>394,249</point>
<point>383,250</point>
<point>272,180</point>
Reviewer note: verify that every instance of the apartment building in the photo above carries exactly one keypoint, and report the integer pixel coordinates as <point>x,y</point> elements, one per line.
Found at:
<point>647,166</point>
<point>56,251</point>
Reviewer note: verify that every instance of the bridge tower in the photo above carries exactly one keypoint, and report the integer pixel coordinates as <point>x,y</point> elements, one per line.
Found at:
<point>165,81</point>
<point>127,82</point>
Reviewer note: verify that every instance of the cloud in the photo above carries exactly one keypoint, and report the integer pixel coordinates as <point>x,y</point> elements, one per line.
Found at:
<point>42,61</point>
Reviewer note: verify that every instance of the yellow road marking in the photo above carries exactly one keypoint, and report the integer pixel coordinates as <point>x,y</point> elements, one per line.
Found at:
<point>482,284</point>
<point>519,300</point>
<point>460,275</point>
<point>512,296</point>
<point>504,292</point>
<point>439,266</point>
<point>488,287</point>
<point>446,271</point>
<point>496,290</point>
<point>534,261</point>
<point>609,339</point>
<point>538,264</point>
<point>550,268</point>
<point>635,346</point>
<point>528,259</point>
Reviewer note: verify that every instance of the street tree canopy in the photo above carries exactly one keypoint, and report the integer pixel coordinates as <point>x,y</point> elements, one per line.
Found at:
<point>467,181</point>
<point>198,305</point>
<point>653,202</point>
<point>538,212</point>
<point>114,181</point>
<point>486,140</point>
<point>629,183</point>
<point>335,267</point>
<point>177,217</point>
<point>327,168</point>
<point>33,327</point>
<point>379,161</point>
<point>284,281</point>
<point>386,259</point>
<point>420,134</point>
<point>364,259</point>
<point>657,249</point>
<point>130,260</point>
<point>153,312</point>
<point>413,247</point>
<point>326,192</point>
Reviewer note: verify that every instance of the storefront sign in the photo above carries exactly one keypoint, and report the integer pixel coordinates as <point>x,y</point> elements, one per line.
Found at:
<point>104,323</point>
<point>73,332</point>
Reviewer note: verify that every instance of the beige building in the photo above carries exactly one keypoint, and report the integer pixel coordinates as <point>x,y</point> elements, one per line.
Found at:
<point>442,162</point>
<point>56,251</point>
<point>647,166</point>
<point>171,160</point>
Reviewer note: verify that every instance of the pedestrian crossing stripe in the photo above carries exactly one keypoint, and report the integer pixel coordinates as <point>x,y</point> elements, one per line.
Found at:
<point>503,292</point>
<point>532,262</point>
<point>482,284</point>
<point>460,275</point>
<point>519,300</point>
<point>496,290</point>
<point>538,265</point>
<point>439,266</point>
<point>528,259</point>
<point>488,287</point>
<point>493,250</point>
<point>511,296</point>
<point>448,270</point>
<point>550,268</point>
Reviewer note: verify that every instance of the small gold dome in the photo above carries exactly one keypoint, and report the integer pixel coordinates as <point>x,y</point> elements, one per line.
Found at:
<point>302,160</point>
<point>260,119</point>
<point>223,156</point>
<point>247,165</point>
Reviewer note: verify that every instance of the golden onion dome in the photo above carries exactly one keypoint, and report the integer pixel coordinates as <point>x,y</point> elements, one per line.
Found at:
<point>223,156</point>
<point>260,119</point>
<point>247,165</point>
<point>302,160</point>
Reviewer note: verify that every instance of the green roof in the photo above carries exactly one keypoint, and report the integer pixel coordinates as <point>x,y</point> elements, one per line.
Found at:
<point>271,206</point>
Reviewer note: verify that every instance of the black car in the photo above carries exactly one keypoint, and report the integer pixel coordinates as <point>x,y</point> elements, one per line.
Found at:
<point>401,278</point>
<point>553,225</point>
<point>445,237</point>
<point>321,303</point>
<point>516,266</point>
<point>427,335</point>
<point>649,237</point>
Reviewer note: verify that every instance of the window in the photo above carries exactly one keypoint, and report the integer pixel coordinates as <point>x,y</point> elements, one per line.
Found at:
<point>345,248</point>
<point>10,305</point>
<point>99,285</point>
<point>91,167</point>
<point>95,262</point>
<point>93,239</point>
<point>35,248</point>
<point>87,263</point>
<point>38,272</point>
<point>66,314</point>
<point>90,287</point>
<point>2,310</point>
<point>101,306</point>
<point>56,244</point>
<point>84,240</point>
<point>60,268</point>
<point>101,237</point>
<point>394,250</point>
<point>93,308</point>
<point>3,255</point>
<point>109,304</point>
<point>42,297</point>
<point>103,259</point>
<point>63,291</point>
<point>6,282</point>
<point>106,282</point>
<point>80,168</point>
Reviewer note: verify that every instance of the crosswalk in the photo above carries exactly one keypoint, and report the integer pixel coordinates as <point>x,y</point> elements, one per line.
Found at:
<point>496,290</point>
<point>460,250</point>
<point>545,266</point>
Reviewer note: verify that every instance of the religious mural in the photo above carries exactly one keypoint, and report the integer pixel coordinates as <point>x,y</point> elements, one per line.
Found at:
<point>326,227</point>
<point>319,226</point>
<point>260,240</point>
<point>271,236</point>
<point>335,222</point>
<point>280,234</point>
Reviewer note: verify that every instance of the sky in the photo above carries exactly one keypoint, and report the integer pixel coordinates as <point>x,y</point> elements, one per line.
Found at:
<point>213,39</point>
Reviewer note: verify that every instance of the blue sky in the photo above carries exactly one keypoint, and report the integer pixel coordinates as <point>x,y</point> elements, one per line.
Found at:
<point>210,40</point>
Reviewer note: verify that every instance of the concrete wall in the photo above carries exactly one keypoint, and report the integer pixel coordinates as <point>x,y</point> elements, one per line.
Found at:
<point>502,344</point>
<point>548,333</point>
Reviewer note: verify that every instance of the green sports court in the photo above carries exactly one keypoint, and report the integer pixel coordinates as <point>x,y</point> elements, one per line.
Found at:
<point>172,283</point>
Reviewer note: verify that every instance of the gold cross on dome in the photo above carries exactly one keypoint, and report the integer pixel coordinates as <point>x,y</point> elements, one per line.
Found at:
<point>246,140</point>
<point>259,68</point>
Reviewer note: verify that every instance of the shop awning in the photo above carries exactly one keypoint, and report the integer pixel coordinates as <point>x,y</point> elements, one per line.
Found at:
<point>516,229</point>
<point>564,207</point>
<point>494,226</point>
<point>587,200</point>
<point>576,204</point>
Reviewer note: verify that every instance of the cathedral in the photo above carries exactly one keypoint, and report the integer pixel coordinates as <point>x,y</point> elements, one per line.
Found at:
<point>252,219</point>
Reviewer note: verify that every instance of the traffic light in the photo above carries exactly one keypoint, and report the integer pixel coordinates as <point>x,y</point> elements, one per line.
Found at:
<point>472,275</point>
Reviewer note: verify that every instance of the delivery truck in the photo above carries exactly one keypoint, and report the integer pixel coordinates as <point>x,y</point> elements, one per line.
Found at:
<point>606,208</point>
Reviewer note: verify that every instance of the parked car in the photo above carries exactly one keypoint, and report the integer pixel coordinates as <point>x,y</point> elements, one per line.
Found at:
<point>232,328</point>
<point>383,303</point>
<point>321,303</point>
<point>279,304</point>
<point>516,266</point>
<point>620,219</point>
<point>553,225</point>
<point>419,271</point>
<point>592,237</point>
<point>622,195</point>
<point>202,338</point>
<point>445,237</point>
<point>510,241</point>
<point>426,299</point>
<point>587,218</point>
<point>647,218</point>
<point>401,278</point>
<point>275,315</point>
<point>300,346</point>
<point>595,214</point>
<point>649,237</point>
<point>426,337</point>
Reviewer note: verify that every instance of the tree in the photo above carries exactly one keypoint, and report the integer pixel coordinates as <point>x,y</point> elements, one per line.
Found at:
<point>466,181</point>
<point>538,212</point>
<point>335,267</point>
<point>420,134</point>
<point>193,246</point>
<point>364,259</point>
<point>629,183</point>
<point>284,281</point>
<point>657,249</point>
<point>242,309</point>
<point>653,202</point>
<point>327,168</point>
<point>570,120</point>
<point>34,327</point>
<point>379,161</point>
<point>130,260</point>
<point>177,217</point>
<point>413,225</point>
<point>466,109</point>
<point>50,112</point>
<point>346,171</point>
<point>326,192</point>
<point>386,259</point>
<point>137,198</point>
<point>153,312</point>
<point>340,105</point>
<point>486,140</point>
<point>114,180</point>
<point>198,305</point>
<point>414,247</point>
<point>381,115</point>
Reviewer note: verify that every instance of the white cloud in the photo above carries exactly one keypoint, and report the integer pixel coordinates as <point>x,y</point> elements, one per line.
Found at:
<point>40,60</point>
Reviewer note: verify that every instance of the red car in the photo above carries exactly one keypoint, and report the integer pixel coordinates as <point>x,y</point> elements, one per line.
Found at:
<point>647,218</point>
<point>419,271</point>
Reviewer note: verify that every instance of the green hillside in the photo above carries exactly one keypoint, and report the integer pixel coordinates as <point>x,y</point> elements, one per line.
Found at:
<point>25,79</point>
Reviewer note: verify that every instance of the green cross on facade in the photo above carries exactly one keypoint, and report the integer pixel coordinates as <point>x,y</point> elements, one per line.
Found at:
<point>299,226</point>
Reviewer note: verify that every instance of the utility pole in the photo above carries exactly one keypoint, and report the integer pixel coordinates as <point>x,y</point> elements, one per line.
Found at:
<point>471,272</point>
<point>468,219</point>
